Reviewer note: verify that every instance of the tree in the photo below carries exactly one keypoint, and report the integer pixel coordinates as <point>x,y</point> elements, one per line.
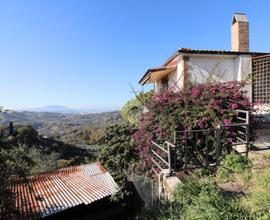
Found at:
<point>13,161</point>
<point>118,153</point>
<point>132,110</point>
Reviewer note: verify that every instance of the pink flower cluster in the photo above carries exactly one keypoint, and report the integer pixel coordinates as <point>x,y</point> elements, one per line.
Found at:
<point>199,107</point>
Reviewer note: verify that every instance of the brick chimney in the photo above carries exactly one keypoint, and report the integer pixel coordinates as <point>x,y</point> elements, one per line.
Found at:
<point>240,33</point>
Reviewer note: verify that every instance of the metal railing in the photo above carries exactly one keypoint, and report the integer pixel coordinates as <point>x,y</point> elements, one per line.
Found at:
<point>193,148</point>
<point>242,130</point>
<point>161,158</point>
<point>202,147</point>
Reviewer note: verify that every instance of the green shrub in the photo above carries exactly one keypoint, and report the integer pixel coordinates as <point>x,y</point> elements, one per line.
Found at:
<point>232,164</point>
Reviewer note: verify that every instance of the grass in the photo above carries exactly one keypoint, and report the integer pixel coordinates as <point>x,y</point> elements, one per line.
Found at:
<point>202,196</point>
<point>233,166</point>
<point>198,198</point>
<point>258,200</point>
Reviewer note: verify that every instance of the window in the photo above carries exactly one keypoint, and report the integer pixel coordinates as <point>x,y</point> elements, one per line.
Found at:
<point>164,83</point>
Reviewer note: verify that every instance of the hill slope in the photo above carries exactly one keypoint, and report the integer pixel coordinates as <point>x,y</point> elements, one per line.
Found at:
<point>70,128</point>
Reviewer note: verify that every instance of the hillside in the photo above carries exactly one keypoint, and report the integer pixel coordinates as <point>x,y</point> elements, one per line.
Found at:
<point>26,135</point>
<point>69,128</point>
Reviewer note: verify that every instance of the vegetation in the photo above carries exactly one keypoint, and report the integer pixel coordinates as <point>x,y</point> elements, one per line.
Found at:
<point>41,162</point>
<point>197,107</point>
<point>206,196</point>
<point>258,200</point>
<point>118,153</point>
<point>233,164</point>
<point>68,128</point>
<point>198,198</point>
<point>26,135</point>
<point>13,161</point>
<point>132,110</point>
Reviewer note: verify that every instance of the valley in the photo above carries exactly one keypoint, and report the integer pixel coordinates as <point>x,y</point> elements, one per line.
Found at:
<point>75,129</point>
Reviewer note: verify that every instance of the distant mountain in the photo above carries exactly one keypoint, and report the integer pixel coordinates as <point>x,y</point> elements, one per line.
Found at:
<point>56,109</point>
<point>63,110</point>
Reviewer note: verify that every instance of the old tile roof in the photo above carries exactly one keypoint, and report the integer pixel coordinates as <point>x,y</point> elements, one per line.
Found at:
<point>53,192</point>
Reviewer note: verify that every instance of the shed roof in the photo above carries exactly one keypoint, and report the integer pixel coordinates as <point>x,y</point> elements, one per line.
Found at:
<point>56,191</point>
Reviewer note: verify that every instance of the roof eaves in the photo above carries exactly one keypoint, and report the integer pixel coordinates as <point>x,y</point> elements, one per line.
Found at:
<point>175,54</point>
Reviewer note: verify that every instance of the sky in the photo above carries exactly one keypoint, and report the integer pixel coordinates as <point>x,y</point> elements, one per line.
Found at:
<point>84,54</point>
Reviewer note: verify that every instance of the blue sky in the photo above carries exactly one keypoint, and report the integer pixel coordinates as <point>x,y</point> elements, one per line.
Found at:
<point>83,54</point>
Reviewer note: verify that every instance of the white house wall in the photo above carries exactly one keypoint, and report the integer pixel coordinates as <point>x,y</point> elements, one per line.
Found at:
<point>244,72</point>
<point>175,79</point>
<point>172,79</point>
<point>180,71</point>
<point>219,68</point>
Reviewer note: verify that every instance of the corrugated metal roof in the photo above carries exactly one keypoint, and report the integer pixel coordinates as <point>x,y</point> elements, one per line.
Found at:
<point>53,192</point>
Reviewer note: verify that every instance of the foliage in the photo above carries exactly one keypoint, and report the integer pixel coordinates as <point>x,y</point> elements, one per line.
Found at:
<point>198,198</point>
<point>118,153</point>
<point>259,199</point>
<point>232,164</point>
<point>27,135</point>
<point>13,161</point>
<point>42,162</point>
<point>133,109</point>
<point>65,163</point>
<point>197,107</point>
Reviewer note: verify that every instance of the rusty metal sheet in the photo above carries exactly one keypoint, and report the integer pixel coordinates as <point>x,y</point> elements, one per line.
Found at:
<point>52,192</point>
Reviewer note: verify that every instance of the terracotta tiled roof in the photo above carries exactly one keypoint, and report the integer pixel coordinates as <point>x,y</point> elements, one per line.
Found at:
<point>53,192</point>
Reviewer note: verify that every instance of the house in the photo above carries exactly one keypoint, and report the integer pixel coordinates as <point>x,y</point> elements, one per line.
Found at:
<point>69,193</point>
<point>198,65</point>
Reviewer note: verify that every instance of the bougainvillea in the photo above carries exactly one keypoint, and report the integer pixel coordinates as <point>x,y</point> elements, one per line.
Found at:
<point>199,107</point>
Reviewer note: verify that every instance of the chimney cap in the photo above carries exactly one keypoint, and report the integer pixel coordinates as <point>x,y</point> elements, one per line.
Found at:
<point>239,17</point>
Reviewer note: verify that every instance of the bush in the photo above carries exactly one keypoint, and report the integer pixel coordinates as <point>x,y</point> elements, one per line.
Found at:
<point>199,107</point>
<point>232,164</point>
<point>42,162</point>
